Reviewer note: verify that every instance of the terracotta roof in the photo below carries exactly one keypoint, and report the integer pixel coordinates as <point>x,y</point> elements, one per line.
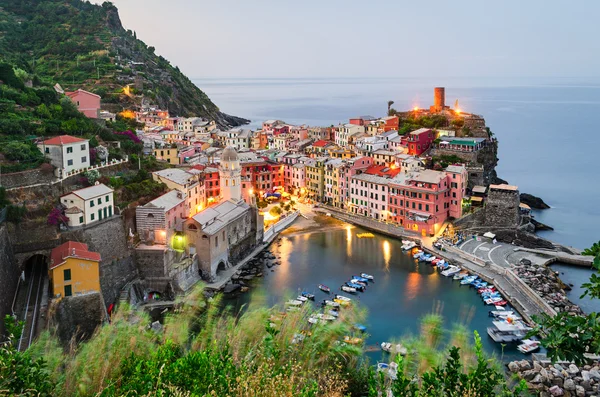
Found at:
<point>63,140</point>
<point>71,249</point>
<point>382,170</point>
<point>320,143</point>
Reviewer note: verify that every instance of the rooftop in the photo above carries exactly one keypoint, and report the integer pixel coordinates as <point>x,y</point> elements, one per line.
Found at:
<point>420,131</point>
<point>372,179</point>
<point>176,175</point>
<point>479,189</point>
<point>428,176</point>
<point>167,201</point>
<point>74,250</point>
<point>321,143</point>
<point>382,170</point>
<point>215,218</point>
<point>457,169</point>
<point>510,188</point>
<point>63,140</point>
<point>91,192</point>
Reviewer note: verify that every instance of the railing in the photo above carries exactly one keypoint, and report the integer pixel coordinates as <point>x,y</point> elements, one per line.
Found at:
<point>279,226</point>
<point>95,167</point>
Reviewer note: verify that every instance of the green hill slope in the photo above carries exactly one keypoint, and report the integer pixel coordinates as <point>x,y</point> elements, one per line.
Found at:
<point>81,45</point>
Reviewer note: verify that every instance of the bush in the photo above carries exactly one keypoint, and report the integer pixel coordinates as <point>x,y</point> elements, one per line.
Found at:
<point>275,211</point>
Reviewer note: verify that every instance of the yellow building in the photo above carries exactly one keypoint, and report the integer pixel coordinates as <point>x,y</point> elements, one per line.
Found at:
<point>343,154</point>
<point>170,155</point>
<point>315,178</point>
<point>74,270</point>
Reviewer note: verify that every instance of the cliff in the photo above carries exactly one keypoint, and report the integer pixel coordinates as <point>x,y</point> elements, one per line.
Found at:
<point>81,45</point>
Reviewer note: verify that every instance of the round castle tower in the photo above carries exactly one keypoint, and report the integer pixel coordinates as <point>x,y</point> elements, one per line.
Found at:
<point>230,174</point>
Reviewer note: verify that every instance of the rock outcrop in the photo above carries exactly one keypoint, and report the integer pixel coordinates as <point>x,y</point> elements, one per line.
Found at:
<point>533,201</point>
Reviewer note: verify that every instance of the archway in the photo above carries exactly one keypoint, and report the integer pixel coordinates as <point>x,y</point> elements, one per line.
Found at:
<point>221,267</point>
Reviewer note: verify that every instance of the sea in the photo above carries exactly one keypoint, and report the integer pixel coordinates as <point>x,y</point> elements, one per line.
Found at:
<point>546,129</point>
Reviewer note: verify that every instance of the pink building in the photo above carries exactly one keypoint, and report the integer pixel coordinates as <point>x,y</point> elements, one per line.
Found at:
<point>281,129</point>
<point>186,152</point>
<point>298,179</point>
<point>353,167</point>
<point>419,141</point>
<point>87,103</point>
<point>362,120</point>
<point>369,196</point>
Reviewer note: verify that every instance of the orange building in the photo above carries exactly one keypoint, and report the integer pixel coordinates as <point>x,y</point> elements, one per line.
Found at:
<point>74,270</point>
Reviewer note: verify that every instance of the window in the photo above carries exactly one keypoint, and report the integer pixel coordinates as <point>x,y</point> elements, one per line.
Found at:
<point>69,150</point>
<point>92,217</point>
<point>427,207</point>
<point>84,159</point>
<point>69,162</point>
<point>92,203</point>
<point>67,275</point>
<point>106,199</point>
<point>68,290</point>
<point>83,147</point>
<point>81,219</point>
<point>99,200</point>
<point>47,150</point>
<point>420,207</point>
<point>216,241</point>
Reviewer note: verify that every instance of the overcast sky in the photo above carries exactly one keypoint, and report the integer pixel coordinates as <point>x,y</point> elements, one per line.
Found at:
<point>371,38</point>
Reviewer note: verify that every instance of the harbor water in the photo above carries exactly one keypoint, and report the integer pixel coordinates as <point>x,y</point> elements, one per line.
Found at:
<point>403,292</point>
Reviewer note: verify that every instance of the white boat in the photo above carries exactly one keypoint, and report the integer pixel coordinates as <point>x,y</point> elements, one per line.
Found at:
<point>451,271</point>
<point>322,316</point>
<point>528,346</point>
<point>431,259</point>
<point>327,302</point>
<point>501,313</point>
<point>313,320</point>
<point>343,298</point>
<point>367,276</point>
<point>394,348</point>
<point>301,298</point>
<point>418,254</point>
<point>390,370</point>
<point>408,245</point>
<point>345,288</point>
<point>505,332</point>
<point>333,313</point>
<point>298,338</point>
<point>294,302</point>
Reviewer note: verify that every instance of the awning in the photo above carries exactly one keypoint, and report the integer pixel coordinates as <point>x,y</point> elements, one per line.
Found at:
<point>524,206</point>
<point>489,235</point>
<point>476,199</point>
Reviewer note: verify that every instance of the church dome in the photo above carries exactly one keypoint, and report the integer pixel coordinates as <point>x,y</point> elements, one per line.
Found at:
<point>229,154</point>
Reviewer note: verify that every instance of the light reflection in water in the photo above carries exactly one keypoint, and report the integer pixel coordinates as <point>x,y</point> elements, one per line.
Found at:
<point>413,283</point>
<point>282,274</point>
<point>387,254</point>
<point>349,241</point>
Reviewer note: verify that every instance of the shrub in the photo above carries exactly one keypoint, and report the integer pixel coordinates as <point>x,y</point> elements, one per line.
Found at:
<point>57,217</point>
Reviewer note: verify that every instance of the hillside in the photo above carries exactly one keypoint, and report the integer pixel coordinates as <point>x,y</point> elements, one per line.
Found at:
<point>81,45</point>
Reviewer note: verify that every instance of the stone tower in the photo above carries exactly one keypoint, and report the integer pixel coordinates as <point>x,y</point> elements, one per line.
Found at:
<point>230,174</point>
<point>439,99</point>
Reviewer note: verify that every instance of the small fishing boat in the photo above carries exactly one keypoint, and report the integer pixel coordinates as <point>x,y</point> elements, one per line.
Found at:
<point>435,261</point>
<point>343,298</point>
<point>394,348</point>
<point>301,298</point>
<point>451,271</point>
<point>358,287</point>
<point>356,281</point>
<point>298,338</point>
<point>333,313</point>
<point>390,370</point>
<point>327,302</point>
<point>408,245</point>
<point>365,235</point>
<point>322,316</point>
<point>308,295</point>
<point>468,280</point>
<point>417,254</point>
<point>353,340</point>
<point>294,302</point>
<point>346,288</point>
<point>367,276</point>
<point>500,313</point>
<point>504,332</point>
<point>341,302</point>
<point>313,320</point>
<point>460,276</point>
<point>324,288</point>
<point>528,346</point>
<point>431,259</point>
<point>360,327</point>
<point>361,279</point>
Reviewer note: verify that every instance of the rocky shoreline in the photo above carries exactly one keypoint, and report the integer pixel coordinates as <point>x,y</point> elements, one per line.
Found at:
<point>547,284</point>
<point>565,380</point>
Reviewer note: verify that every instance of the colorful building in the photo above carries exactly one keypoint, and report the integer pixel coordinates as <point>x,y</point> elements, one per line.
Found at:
<point>88,205</point>
<point>74,270</point>
<point>67,153</point>
<point>87,102</point>
<point>419,141</point>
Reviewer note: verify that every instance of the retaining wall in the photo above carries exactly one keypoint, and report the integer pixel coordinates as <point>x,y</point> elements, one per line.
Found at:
<point>271,232</point>
<point>9,276</point>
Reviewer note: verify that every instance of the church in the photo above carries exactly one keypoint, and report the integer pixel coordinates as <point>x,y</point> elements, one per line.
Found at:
<point>221,235</point>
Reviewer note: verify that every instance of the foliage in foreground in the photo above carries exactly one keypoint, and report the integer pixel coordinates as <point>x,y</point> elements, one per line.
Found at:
<point>202,351</point>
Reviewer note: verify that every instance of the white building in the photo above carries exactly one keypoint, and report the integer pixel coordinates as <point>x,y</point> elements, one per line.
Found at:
<point>239,138</point>
<point>67,153</point>
<point>88,205</point>
<point>345,132</point>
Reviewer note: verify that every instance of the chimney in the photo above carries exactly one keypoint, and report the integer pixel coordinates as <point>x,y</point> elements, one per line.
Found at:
<point>179,195</point>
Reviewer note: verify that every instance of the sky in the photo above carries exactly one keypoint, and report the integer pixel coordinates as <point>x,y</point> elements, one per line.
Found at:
<point>370,38</point>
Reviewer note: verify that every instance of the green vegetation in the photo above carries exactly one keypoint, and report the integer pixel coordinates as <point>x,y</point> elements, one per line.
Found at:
<point>82,45</point>
<point>443,161</point>
<point>569,337</point>
<point>203,351</point>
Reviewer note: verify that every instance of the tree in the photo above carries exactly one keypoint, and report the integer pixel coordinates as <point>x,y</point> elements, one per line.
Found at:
<point>18,151</point>
<point>594,250</point>
<point>570,337</point>
<point>390,103</point>
<point>275,211</point>
<point>57,217</point>
<point>92,176</point>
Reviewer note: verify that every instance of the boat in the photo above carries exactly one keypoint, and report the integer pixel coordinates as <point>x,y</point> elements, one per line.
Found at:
<point>355,281</point>
<point>294,302</point>
<point>353,340</point>
<point>360,327</point>
<point>301,298</point>
<point>365,235</point>
<point>327,302</point>
<point>346,288</point>
<point>313,320</point>
<point>460,276</point>
<point>394,348</point>
<point>367,276</point>
<point>298,338</point>
<point>504,332</point>
<point>343,298</point>
<point>493,300</point>
<point>431,259</point>
<point>500,313</point>
<point>424,257</point>
<point>333,313</point>
<point>322,316</point>
<point>468,280</point>
<point>341,302</point>
<point>361,279</point>
<point>408,245</point>
<point>528,346</point>
<point>358,287</point>
<point>324,288</point>
<point>308,295</point>
<point>435,261</point>
<point>390,370</point>
<point>417,254</point>
<point>451,271</point>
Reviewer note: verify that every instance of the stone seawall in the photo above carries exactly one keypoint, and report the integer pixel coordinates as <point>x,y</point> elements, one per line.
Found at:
<point>9,276</point>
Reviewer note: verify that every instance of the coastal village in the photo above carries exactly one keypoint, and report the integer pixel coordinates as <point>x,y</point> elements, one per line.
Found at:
<point>230,193</point>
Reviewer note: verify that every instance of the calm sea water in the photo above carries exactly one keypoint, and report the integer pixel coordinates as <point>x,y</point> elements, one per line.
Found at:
<point>404,289</point>
<point>547,132</point>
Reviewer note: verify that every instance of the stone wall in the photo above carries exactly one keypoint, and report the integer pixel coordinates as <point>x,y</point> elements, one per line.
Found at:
<point>110,239</point>
<point>384,228</point>
<point>151,262</point>
<point>77,317</point>
<point>9,275</point>
<point>25,178</point>
<point>502,208</point>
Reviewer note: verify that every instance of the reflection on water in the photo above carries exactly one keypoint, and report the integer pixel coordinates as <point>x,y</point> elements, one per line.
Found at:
<point>402,293</point>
